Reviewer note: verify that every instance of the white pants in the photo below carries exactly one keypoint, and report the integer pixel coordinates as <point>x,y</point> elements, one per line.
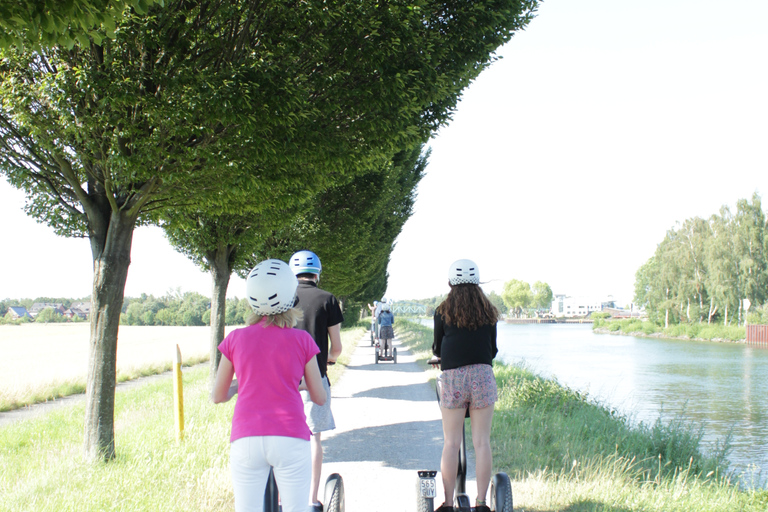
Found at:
<point>250,459</point>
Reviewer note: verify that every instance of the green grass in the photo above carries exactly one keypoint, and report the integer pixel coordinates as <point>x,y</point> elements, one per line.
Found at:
<point>693,331</point>
<point>59,389</point>
<point>43,467</point>
<point>566,452</point>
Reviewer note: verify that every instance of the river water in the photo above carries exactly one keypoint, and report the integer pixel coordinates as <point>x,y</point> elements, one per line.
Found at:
<point>720,387</point>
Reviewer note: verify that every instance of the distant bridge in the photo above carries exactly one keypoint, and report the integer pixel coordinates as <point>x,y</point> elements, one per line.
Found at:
<point>409,308</point>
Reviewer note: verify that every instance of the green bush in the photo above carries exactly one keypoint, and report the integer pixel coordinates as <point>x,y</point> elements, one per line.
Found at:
<point>50,315</point>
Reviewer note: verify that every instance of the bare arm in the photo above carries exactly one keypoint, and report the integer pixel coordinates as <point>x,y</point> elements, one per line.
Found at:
<point>314,382</point>
<point>334,332</point>
<point>224,388</point>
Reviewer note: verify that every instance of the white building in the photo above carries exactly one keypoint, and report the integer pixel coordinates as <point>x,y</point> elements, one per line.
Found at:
<point>573,307</point>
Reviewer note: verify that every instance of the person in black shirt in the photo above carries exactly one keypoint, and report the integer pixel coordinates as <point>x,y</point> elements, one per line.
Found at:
<point>465,342</point>
<point>322,319</point>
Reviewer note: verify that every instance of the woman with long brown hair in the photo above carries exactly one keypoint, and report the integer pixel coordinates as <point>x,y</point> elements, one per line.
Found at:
<point>465,342</point>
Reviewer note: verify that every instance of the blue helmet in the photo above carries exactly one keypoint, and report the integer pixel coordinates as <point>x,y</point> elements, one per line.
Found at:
<point>305,262</point>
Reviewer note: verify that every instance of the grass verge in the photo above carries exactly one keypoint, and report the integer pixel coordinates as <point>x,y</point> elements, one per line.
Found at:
<point>692,331</point>
<point>566,452</point>
<point>540,429</point>
<point>43,468</point>
<point>59,389</point>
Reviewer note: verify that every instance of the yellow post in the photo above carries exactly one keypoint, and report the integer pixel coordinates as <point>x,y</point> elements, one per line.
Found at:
<point>178,395</point>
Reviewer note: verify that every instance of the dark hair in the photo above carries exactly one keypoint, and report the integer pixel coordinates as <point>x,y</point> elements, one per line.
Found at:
<point>467,307</point>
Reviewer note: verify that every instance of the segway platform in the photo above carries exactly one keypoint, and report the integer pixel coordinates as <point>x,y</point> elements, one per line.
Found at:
<point>379,354</point>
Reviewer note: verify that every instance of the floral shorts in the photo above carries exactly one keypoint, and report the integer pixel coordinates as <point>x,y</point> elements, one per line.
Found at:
<point>472,386</point>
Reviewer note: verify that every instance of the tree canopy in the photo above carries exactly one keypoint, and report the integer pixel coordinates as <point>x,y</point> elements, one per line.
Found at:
<point>56,22</point>
<point>195,104</point>
<point>704,268</point>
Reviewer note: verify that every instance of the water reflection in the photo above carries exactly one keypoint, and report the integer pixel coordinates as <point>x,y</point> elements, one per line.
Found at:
<point>721,387</point>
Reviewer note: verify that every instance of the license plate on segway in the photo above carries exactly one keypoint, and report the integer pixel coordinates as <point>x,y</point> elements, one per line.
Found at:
<point>427,486</point>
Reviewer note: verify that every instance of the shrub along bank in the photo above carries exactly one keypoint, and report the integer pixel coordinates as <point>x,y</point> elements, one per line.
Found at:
<point>565,451</point>
<point>692,331</point>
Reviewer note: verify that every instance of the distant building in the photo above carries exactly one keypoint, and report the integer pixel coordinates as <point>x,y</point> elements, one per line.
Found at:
<point>564,306</point>
<point>18,312</point>
<point>37,307</point>
<point>79,309</point>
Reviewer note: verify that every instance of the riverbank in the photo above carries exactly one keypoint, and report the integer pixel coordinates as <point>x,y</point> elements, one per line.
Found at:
<point>564,453</point>
<point>693,331</point>
<point>567,452</point>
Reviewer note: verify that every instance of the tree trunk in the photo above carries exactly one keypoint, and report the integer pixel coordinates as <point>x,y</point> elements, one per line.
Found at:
<point>221,270</point>
<point>726,314</point>
<point>111,239</point>
<point>666,318</point>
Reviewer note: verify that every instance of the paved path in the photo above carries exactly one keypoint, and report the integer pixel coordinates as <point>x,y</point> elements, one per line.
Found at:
<point>387,427</point>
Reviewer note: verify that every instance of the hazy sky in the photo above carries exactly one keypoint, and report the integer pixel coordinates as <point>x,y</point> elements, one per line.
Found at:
<point>605,123</point>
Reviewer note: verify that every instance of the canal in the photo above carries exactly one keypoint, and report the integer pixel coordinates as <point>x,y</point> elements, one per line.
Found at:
<point>719,387</point>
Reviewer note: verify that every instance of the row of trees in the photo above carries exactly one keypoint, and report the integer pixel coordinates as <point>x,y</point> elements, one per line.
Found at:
<point>27,303</point>
<point>708,270</point>
<point>241,127</point>
<point>432,302</point>
<point>519,296</point>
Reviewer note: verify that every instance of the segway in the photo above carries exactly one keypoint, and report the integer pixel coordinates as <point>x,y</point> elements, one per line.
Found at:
<point>381,355</point>
<point>333,498</point>
<point>426,489</point>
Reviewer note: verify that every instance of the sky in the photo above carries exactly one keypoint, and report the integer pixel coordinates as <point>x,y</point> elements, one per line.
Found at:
<point>603,124</point>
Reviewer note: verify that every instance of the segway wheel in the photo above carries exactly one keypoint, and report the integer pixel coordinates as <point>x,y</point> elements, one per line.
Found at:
<point>461,503</point>
<point>501,493</point>
<point>334,494</point>
<point>376,356</point>
<point>394,355</point>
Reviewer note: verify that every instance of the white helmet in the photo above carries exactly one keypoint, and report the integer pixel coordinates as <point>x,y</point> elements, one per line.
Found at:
<point>385,307</point>
<point>463,272</point>
<point>271,288</point>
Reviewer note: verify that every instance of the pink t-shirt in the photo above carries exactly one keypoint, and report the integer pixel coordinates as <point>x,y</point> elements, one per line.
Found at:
<point>269,364</point>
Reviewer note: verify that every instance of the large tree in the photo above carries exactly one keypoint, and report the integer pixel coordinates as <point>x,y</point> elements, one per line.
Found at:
<point>517,295</point>
<point>750,250</point>
<point>542,294</point>
<point>51,22</point>
<point>193,100</point>
<point>352,227</point>
<point>706,268</point>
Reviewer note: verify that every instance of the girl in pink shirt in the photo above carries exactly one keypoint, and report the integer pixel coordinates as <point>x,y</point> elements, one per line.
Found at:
<point>272,361</point>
